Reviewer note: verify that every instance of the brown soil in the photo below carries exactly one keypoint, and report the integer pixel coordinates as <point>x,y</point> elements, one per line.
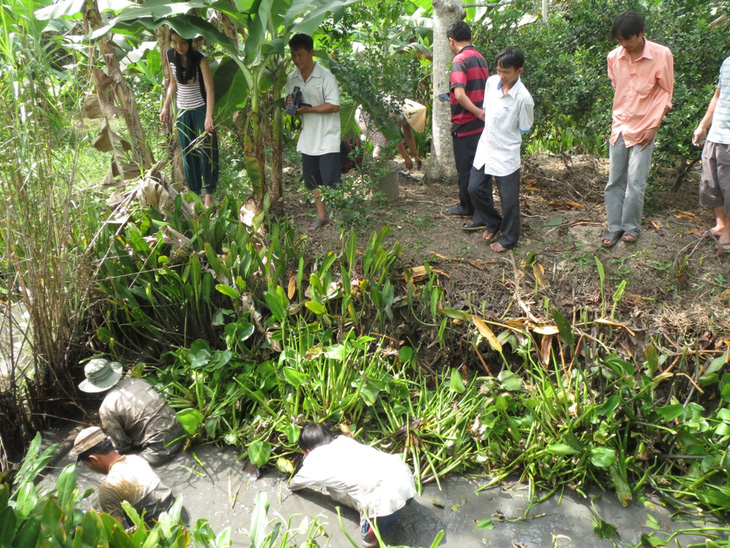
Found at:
<point>677,289</point>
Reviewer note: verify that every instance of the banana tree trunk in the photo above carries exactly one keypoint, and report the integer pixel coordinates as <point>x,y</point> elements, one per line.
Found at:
<point>141,153</point>
<point>276,188</point>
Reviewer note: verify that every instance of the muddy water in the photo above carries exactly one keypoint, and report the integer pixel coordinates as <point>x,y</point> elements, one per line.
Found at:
<point>223,493</point>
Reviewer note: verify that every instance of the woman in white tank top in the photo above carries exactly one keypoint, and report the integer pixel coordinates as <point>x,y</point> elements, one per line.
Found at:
<point>192,84</point>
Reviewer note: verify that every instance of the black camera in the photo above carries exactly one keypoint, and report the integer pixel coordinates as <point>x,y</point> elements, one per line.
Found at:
<point>297,100</point>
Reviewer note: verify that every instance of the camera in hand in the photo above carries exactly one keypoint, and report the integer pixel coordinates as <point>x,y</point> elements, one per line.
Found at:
<point>297,100</point>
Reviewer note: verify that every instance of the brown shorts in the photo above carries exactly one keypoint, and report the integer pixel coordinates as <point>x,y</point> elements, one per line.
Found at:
<point>715,179</point>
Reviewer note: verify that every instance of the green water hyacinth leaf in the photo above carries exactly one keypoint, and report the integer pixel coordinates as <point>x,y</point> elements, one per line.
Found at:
<point>602,457</point>
<point>484,525</point>
<point>510,381</point>
<point>456,383</point>
<point>228,291</point>
<point>670,412</point>
<point>285,466</point>
<point>190,419</point>
<point>369,392</point>
<point>200,353</point>
<point>561,449</point>
<point>294,377</point>
<point>317,308</point>
<point>7,526</point>
<point>292,432</point>
<point>259,453</point>
<point>336,352</point>
<point>456,314</point>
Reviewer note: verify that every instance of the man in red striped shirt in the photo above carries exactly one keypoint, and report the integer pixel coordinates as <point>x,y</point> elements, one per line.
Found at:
<point>469,75</point>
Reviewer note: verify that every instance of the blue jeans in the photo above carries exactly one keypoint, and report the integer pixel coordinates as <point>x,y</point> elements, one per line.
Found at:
<point>624,192</point>
<point>385,524</point>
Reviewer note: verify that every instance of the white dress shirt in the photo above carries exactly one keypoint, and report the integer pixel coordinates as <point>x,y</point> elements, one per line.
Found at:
<point>320,132</point>
<point>357,475</point>
<point>507,116</point>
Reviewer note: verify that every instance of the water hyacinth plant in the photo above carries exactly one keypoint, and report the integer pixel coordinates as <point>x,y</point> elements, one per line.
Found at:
<point>340,338</point>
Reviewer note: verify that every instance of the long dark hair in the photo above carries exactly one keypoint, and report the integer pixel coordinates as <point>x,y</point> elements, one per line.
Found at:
<point>192,63</point>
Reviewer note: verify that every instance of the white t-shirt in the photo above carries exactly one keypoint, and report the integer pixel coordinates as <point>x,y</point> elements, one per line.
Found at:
<point>320,132</point>
<point>376,484</point>
<point>131,479</point>
<point>507,116</point>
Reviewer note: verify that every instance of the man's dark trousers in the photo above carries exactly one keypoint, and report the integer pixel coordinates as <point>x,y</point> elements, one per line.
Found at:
<point>508,223</point>
<point>464,150</point>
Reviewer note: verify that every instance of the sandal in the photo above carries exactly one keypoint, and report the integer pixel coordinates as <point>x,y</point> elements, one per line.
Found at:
<point>723,248</point>
<point>471,225</point>
<point>319,223</point>
<point>629,238</point>
<point>499,248</point>
<point>611,238</point>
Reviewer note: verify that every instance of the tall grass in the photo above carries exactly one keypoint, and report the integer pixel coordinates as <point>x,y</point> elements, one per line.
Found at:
<point>42,235</point>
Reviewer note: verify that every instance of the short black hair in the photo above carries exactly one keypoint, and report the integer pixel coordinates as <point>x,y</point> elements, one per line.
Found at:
<point>510,58</point>
<point>104,447</point>
<point>627,25</point>
<point>459,31</point>
<point>313,435</point>
<point>301,41</point>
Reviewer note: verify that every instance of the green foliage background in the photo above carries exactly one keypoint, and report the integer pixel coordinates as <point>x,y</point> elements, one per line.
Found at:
<point>565,66</point>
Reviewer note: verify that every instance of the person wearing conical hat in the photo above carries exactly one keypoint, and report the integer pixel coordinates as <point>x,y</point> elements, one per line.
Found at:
<point>133,414</point>
<point>129,478</point>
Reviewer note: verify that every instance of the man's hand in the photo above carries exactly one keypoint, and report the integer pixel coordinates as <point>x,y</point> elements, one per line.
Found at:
<point>288,99</point>
<point>698,137</point>
<point>648,137</point>
<point>481,114</point>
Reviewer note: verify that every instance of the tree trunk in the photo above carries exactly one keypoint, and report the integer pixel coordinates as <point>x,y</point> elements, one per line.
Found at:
<point>441,164</point>
<point>141,153</point>
<point>276,187</point>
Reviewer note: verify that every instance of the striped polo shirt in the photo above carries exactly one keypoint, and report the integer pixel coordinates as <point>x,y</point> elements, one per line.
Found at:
<point>469,71</point>
<point>188,95</point>
<point>720,128</point>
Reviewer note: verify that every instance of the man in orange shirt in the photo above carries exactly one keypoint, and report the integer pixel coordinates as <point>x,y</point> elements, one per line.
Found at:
<point>642,75</point>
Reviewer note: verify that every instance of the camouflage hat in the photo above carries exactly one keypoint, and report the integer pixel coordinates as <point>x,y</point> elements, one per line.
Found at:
<point>88,438</point>
<point>100,375</point>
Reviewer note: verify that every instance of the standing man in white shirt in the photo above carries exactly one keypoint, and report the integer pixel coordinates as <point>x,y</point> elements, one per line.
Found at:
<point>319,142</point>
<point>508,110</point>
<point>376,484</point>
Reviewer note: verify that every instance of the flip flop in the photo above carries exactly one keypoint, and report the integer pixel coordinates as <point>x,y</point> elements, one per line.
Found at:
<point>723,248</point>
<point>611,238</point>
<point>319,223</point>
<point>471,225</point>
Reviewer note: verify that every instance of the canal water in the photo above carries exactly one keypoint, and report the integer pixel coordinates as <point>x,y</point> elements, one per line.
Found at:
<point>221,491</point>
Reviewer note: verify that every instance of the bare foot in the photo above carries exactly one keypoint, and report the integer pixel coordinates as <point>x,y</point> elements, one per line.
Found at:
<point>499,248</point>
<point>716,231</point>
<point>489,235</point>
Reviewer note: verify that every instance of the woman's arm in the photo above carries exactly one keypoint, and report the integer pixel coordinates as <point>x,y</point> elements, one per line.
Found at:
<point>209,94</point>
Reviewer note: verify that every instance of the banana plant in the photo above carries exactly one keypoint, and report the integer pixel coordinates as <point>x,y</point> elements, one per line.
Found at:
<point>248,78</point>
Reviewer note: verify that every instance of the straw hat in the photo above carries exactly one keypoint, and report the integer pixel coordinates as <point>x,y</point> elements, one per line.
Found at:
<point>100,375</point>
<point>88,438</point>
<point>415,115</point>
